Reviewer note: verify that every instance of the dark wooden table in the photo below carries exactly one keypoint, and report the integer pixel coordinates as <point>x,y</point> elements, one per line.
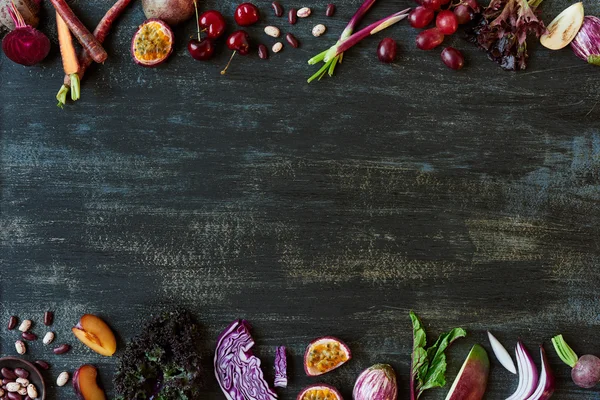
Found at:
<point>333,208</point>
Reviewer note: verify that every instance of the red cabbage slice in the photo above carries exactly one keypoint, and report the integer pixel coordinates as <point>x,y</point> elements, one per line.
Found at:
<point>280,368</point>
<point>236,368</point>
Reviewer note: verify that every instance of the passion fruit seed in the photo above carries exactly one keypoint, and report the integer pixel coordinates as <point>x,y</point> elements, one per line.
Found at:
<point>152,43</point>
<point>324,357</point>
<point>319,394</point>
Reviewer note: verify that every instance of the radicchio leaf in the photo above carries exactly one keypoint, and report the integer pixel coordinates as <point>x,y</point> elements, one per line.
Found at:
<point>236,368</point>
<point>502,32</point>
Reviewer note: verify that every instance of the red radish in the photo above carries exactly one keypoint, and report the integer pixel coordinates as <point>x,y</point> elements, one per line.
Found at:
<point>25,45</point>
<point>100,33</point>
<point>29,9</point>
<point>152,44</point>
<point>83,35</point>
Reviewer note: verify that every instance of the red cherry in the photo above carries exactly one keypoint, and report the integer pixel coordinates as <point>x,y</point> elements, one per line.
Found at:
<point>239,42</point>
<point>246,14</point>
<point>212,23</point>
<point>201,49</point>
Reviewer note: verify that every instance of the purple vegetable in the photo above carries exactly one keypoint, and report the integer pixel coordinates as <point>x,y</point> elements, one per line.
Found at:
<point>329,67</point>
<point>236,368</point>
<point>376,383</point>
<point>281,368</point>
<point>545,387</point>
<point>29,9</point>
<point>25,45</point>
<point>528,374</point>
<point>586,44</point>
<point>372,29</point>
<point>586,369</point>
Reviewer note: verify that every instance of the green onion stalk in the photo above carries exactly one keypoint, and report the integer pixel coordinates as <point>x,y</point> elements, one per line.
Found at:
<point>347,32</point>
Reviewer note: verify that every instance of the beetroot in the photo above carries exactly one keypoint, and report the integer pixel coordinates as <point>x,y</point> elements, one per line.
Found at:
<point>25,45</point>
<point>29,9</point>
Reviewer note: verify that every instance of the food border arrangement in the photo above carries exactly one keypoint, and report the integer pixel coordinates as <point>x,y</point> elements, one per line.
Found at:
<point>501,29</point>
<point>166,361</point>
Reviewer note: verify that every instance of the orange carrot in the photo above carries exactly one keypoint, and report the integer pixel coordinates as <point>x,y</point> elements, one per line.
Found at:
<point>69,59</point>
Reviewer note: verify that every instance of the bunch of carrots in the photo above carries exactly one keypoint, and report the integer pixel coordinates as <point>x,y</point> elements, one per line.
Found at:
<point>75,64</point>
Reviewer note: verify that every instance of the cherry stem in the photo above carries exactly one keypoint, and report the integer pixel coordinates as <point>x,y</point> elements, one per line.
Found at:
<point>227,66</point>
<point>197,20</point>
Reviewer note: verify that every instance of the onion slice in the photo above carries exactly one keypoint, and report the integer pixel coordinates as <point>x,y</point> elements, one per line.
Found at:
<point>545,387</point>
<point>528,374</point>
<point>501,354</point>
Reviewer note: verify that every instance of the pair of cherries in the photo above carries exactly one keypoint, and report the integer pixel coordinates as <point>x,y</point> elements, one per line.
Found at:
<point>213,24</point>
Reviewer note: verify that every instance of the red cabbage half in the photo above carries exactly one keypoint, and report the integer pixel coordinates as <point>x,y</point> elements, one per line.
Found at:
<point>280,368</point>
<point>236,368</point>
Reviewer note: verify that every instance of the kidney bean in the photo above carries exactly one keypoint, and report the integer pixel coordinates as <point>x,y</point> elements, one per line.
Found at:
<point>22,373</point>
<point>62,349</point>
<point>12,323</point>
<point>291,39</point>
<point>48,318</point>
<point>14,396</point>
<point>42,364</point>
<point>263,53</point>
<point>292,17</point>
<point>277,8</point>
<point>29,336</point>
<point>8,374</point>
<point>330,10</point>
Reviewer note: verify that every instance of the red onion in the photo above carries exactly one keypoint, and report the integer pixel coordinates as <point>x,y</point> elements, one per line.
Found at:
<point>586,44</point>
<point>528,374</point>
<point>545,387</point>
<point>501,354</point>
<point>25,45</point>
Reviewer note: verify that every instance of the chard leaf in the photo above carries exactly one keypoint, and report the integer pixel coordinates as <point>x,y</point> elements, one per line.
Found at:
<point>436,373</point>
<point>429,365</point>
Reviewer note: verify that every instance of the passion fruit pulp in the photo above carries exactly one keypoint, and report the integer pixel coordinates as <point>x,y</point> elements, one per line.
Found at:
<point>320,391</point>
<point>152,43</point>
<point>325,354</point>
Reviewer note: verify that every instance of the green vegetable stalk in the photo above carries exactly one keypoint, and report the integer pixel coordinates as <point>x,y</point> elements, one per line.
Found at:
<point>428,368</point>
<point>564,351</point>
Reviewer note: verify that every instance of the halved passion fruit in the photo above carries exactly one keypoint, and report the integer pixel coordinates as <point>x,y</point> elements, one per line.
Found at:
<point>325,354</point>
<point>152,44</point>
<point>320,391</point>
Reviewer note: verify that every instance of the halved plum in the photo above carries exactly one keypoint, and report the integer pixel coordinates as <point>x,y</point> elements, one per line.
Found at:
<point>96,334</point>
<point>152,43</point>
<point>325,354</point>
<point>319,391</point>
<point>86,385</point>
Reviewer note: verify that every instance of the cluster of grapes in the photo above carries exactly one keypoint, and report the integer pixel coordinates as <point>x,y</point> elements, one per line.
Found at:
<point>449,16</point>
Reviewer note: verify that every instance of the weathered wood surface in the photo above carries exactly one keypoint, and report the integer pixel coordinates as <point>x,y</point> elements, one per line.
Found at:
<point>331,208</point>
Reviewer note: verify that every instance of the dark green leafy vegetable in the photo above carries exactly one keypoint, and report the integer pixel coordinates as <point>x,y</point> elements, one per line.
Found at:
<point>164,362</point>
<point>502,31</point>
<point>429,364</point>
